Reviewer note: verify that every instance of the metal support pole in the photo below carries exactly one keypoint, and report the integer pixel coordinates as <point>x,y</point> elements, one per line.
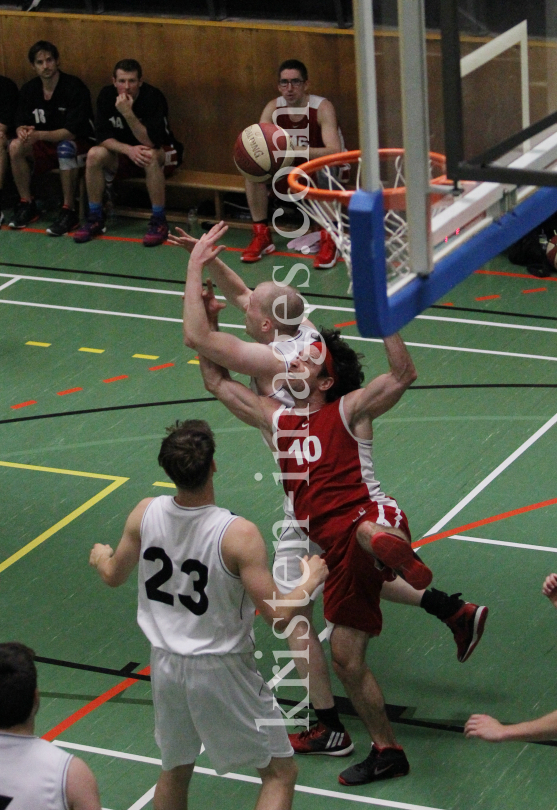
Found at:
<point>367,94</point>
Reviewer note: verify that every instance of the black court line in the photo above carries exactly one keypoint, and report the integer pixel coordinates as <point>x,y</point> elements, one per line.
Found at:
<point>343,704</point>
<point>145,278</point>
<point>110,408</point>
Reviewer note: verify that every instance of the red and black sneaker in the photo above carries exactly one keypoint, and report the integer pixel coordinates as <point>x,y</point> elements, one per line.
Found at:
<point>467,626</point>
<point>319,739</point>
<point>381,763</point>
<point>261,244</point>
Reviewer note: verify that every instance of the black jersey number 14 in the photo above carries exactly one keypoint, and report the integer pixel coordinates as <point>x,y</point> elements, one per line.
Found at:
<point>153,584</point>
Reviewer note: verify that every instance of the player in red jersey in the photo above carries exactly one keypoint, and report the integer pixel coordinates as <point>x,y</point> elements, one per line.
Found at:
<point>314,132</point>
<point>323,446</point>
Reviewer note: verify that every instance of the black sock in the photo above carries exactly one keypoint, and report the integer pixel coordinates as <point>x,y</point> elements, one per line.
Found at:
<point>329,718</point>
<point>440,604</point>
<point>261,222</point>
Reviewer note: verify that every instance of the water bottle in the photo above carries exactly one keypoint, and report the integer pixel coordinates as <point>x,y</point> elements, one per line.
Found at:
<point>193,223</point>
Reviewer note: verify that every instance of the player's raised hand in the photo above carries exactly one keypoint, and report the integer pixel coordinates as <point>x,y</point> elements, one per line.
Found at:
<point>212,306</point>
<point>206,249</point>
<point>549,588</point>
<point>182,239</point>
<point>100,552</point>
<point>484,727</point>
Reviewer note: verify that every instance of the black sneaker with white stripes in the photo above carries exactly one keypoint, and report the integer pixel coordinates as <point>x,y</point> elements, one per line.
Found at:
<point>320,739</point>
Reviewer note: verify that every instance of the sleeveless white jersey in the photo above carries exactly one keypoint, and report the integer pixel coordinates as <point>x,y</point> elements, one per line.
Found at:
<point>289,349</point>
<point>189,602</point>
<point>32,773</point>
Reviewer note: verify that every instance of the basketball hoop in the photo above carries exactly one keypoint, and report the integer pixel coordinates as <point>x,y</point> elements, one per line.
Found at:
<point>316,189</point>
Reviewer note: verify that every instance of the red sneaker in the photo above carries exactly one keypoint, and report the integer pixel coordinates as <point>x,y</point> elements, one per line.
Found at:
<point>319,739</point>
<point>157,232</point>
<point>261,243</point>
<point>467,626</point>
<point>397,554</point>
<point>328,253</point>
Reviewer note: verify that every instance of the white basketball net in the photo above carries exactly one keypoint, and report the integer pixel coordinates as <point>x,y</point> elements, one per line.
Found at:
<point>332,215</point>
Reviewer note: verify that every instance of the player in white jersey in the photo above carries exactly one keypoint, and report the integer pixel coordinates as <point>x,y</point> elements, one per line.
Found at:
<point>202,573</point>
<point>34,773</point>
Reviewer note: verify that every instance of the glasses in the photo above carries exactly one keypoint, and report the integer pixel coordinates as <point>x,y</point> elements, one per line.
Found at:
<point>293,82</point>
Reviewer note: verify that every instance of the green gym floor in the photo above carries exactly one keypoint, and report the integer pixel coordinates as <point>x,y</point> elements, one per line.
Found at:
<point>93,369</point>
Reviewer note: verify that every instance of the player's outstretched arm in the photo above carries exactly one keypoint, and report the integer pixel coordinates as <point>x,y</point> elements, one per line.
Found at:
<point>232,286</point>
<point>229,351</point>
<point>82,792</point>
<point>488,728</point>
<point>378,396</point>
<point>116,566</point>
<point>549,589</point>
<point>240,400</point>
<point>245,555</point>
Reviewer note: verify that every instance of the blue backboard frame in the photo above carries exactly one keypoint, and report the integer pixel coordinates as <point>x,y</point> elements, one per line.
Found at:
<point>380,315</point>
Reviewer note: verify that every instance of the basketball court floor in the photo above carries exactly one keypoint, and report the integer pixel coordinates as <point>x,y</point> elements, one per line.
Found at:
<point>93,369</point>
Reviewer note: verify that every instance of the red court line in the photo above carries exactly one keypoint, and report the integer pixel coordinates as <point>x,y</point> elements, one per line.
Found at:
<point>90,707</point>
<point>447,304</point>
<point>24,404</point>
<point>487,297</point>
<point>459,529</point>
<point>538,289</point>
<point>347,323</point>
<point>68,391</point>
<point>113,379</point>
<point>165,365</point>
<point>510,275</point>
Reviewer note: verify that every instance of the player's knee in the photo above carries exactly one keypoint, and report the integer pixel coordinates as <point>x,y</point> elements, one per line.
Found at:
<point>347,668</point>
<point>67,155</point>
<point>280,769</point>
<point>15,147</point>
<point>96,156</point>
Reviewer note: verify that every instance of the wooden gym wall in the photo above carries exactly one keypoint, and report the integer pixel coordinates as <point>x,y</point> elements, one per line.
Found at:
<point>218,76</point>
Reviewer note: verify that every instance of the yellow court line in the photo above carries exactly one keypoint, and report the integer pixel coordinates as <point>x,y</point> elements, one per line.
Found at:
<point>147,356</point>
<point>36,343</point>
<point>193,362</point>
<point>93,351</point>
<point>64,522</point>
<point>164,484</point>
<point>64,472</point>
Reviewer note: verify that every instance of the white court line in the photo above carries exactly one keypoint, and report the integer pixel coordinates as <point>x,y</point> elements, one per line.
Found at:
<point>457,349</point>
<point>9,283</point>
<point>310,309</point>
<point>502,543</point>
<point>238,777</point>
<point>145,799</point>
<point>240,326</point>
<point>492,476</point>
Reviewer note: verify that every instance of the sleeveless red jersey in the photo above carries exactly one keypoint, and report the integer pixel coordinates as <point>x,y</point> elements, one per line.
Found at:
<point>309,122</point>
<point>328,473</point>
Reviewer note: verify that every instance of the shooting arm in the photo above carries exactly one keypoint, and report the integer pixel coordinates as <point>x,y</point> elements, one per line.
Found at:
<point>115,567</point>
<point>366,404</point>
<point>239,399</point>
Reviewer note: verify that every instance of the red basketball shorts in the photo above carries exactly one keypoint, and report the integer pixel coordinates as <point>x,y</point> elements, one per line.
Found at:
<point>352,590</point>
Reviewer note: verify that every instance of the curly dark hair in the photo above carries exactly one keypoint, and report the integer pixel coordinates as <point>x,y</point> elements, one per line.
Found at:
<point>18,681</point>
<point>346,363</point>
<point>187,452</point>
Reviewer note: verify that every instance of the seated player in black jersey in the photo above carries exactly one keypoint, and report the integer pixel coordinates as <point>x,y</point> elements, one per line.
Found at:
<point>134,140</point>
<point>54,128</point>
<point>8,106</point>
